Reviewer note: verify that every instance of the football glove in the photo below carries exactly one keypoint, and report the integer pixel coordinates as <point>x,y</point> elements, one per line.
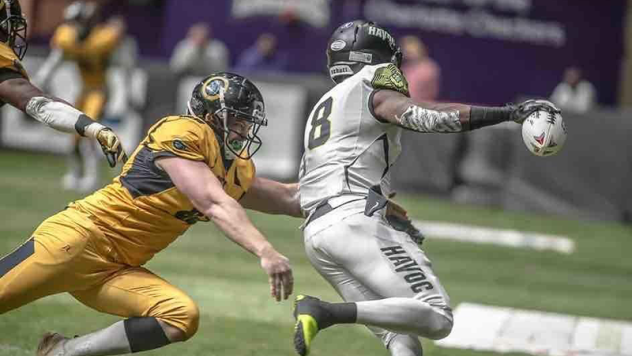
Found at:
<point>111,146</point>
<point>522,111</point>
<point>395,214</point>
<point>398,218</point>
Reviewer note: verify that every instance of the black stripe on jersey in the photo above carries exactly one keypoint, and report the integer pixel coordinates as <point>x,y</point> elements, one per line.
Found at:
<point>384,138</point>
<point>372,110</point>
<point>16,257</point>
<point>144,178</point>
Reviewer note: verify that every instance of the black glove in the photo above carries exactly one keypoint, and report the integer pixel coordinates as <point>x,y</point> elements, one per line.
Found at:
<point>523,110</point>
<point>395,214</point>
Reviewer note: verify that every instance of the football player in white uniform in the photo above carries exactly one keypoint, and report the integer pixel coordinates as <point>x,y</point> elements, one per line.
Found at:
<point>360,241</point>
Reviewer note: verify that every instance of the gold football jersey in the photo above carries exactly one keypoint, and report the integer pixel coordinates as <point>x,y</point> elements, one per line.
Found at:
<point>9,60</point>
<point>142,212</point>
<point>92,54</point>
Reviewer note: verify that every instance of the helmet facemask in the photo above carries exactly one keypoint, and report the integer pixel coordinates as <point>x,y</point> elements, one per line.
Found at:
<point>15,27</point>
<point>236,144</point>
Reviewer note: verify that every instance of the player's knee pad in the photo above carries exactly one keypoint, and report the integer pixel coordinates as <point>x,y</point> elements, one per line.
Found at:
<point>144,334</point>
<point>181,313</point>
<point>405,345</point>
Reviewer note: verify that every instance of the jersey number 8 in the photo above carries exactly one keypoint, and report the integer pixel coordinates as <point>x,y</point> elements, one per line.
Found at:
<point>321,126</point>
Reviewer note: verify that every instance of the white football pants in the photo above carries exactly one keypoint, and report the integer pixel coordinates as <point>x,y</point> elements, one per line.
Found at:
<point>363,258</point>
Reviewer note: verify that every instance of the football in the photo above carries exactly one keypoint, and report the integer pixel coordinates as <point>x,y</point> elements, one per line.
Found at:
<point>544,133</point>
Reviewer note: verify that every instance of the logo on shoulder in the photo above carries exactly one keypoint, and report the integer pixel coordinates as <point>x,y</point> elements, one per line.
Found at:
<point>338,45</point>
<point>390,77</point>
<point>179,145</point>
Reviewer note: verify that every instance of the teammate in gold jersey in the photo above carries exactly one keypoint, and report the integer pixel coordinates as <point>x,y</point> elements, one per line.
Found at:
<point>189,168</point>
<point>88,43</point>
<point>17,90</point>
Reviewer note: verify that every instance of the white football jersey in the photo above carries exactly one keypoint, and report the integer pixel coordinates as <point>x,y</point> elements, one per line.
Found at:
<point>347,150</point>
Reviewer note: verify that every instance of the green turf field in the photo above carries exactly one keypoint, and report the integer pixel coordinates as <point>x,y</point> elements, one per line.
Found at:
<point>238,316</point>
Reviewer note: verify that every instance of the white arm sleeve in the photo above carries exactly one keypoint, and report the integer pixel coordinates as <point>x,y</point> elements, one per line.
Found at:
<point>60,116</point>
<point>421,119</point>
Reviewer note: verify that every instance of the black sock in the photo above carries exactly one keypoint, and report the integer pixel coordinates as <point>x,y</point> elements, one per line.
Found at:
<point>341,313</point>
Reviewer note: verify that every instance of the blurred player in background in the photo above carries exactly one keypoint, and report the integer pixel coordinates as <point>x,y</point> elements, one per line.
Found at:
<point>17,90</point>
<point>189,168</point>
<point>359,240</point>
<point>84,40</point>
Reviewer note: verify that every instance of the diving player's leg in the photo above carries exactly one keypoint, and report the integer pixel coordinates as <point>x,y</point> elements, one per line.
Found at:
<point>386,262</point>
<point>48,263</point>
<point>351,290</point>
<point>158,314</point>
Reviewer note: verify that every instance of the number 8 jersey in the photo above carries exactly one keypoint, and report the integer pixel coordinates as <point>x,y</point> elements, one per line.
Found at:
<point>347,149</point>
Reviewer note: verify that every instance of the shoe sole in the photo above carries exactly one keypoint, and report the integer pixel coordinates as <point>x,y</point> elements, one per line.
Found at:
<point>305,331</point>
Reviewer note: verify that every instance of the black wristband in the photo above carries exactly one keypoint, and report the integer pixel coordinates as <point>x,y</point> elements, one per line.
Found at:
<point>82,123</point>
<point>481,116</point>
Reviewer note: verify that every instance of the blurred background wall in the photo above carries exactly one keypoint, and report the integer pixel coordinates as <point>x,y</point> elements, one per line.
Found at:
<point>474,51</point>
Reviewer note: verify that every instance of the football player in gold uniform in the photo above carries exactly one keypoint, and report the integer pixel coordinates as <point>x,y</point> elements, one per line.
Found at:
<point>17,90</point>
<point>189,168</point>
<point>84,40</point>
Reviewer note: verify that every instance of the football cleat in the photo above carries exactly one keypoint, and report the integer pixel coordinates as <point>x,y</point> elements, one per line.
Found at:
<point>48,343</point>
<point>311,317</point>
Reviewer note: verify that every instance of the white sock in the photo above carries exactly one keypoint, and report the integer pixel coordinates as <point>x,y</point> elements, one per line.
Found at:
<point>109,341</point>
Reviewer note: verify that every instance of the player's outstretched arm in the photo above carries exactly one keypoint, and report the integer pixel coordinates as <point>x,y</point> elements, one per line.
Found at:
<point>60,115</point>
<point>396,108</point>
<point>195,180</point>
<point>272,197</point>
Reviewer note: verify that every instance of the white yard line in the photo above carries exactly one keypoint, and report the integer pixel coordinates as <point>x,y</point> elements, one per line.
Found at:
<point>483,235</point>
<point>537,333</point>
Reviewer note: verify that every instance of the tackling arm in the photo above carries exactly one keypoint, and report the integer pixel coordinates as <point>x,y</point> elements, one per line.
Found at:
<point>271,197</point>
<point>60,115</point>
<point>195,180</point>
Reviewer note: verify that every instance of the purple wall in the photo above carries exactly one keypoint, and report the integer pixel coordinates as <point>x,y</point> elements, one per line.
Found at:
<point>475,68</point>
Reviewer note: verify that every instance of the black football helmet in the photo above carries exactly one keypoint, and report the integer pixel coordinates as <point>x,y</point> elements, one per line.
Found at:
<point>224,95</point>
<point>359,43</point>
<point>13,27</point>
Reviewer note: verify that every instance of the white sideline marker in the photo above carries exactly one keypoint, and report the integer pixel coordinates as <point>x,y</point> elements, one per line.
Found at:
<point>483,235</point>
<point>499,329</point>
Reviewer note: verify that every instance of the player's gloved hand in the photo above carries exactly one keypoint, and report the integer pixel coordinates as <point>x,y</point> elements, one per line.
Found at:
<point>523,110</point>
<point>398,218</point>
<point>279,273</point>
<point>111,146</point>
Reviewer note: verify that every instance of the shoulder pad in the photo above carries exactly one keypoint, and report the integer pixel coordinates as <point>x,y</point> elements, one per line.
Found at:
<point>390,77</point>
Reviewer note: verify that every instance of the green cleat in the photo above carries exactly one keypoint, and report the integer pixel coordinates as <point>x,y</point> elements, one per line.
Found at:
<point>309,314</point>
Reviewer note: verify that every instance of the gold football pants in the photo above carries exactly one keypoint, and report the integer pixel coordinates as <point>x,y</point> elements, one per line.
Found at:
<point>66,253</point>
